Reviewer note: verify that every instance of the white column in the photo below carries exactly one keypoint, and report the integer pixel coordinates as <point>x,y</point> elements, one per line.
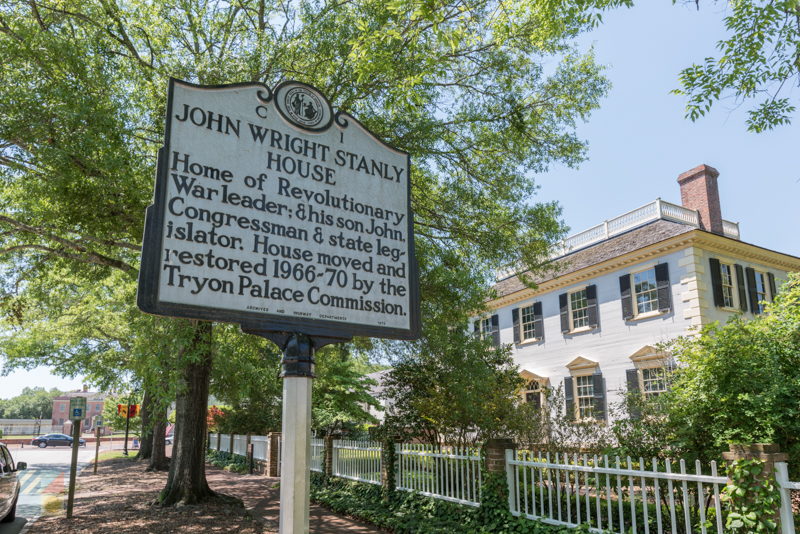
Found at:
<point>295,477</point>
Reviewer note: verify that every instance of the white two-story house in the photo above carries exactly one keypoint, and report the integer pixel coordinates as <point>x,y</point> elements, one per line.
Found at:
<point>620,288</point>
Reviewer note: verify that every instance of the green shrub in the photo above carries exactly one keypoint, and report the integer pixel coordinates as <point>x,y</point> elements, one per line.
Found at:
<point>411,513</point>
<point>228,461</point>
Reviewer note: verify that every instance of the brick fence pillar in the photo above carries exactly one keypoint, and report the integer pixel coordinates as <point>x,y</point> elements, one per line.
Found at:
<point>769,453</point>
<point>327,451</point>
<point>496,465</point>
<point>496,454</point>
<point>273,457</point>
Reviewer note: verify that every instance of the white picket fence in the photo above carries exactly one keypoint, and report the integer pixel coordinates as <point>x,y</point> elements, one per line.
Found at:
<point>317,454</point>
<point>625,495</point>
<point>260,446</point>
<point>444,472</point>
<point>786,487</point>
<point>240,445</point>
<point>357,460</point>
<point>225,442</point>
<point>622,495</point>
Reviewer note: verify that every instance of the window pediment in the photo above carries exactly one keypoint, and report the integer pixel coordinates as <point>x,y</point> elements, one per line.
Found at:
<point>581,365</point>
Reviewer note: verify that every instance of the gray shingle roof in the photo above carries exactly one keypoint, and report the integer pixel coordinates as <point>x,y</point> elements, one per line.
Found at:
<point>651,233</point>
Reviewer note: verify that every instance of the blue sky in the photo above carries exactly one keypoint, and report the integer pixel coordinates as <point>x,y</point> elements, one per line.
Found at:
<point>639,141</point>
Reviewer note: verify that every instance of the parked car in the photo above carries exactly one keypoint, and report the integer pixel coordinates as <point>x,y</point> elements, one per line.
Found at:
<point>9,485</point>
<point>169,439</point>
<point>54,440</point>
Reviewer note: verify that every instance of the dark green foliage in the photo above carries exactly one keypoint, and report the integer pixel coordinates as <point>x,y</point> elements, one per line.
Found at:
<point>758,60</point>
<point>752,499</point>
<point>411,513</point>
<point>32,403</point>
<point>228,461</point>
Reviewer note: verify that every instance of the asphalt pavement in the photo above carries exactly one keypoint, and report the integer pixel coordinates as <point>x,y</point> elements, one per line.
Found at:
<point>47,475</point>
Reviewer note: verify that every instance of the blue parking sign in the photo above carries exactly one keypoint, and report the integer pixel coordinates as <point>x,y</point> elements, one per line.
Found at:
<point>77,413</point>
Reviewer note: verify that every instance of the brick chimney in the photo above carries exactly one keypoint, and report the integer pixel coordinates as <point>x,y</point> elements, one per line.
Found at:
<point>699,192</point>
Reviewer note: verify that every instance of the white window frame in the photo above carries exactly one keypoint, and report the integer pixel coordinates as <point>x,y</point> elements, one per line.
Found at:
<point>583,367</point>
<point>485,327</point>
<point>635,294</point>
<point>533,387</point>
<point>542,385</point>
<point>664,378</point>
<point>735,304</point>
<point>577,397</point>
<point>522,323</point>
<point>571,311</point>
<point>648,358</point>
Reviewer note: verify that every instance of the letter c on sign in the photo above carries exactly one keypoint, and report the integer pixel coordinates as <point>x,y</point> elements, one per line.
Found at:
<point>262,111</point>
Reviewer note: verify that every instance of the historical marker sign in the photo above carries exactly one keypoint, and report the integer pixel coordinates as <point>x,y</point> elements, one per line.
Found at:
<point>272,210</point>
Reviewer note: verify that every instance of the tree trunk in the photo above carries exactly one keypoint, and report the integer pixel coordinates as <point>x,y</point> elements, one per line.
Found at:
<point>158,458</point>
<point>187,471</point>
<point>146,441</point>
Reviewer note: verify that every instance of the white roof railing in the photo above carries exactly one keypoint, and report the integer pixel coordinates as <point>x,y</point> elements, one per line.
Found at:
<point>658,209</point>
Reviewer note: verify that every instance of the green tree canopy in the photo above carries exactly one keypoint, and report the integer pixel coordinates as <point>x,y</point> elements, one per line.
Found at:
<point>32,403</point>
<point>759,61</point>
<point>482,94</point>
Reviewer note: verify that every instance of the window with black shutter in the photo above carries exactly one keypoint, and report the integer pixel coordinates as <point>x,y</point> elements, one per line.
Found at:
<point>489,328</point>
<point>716,282</point>
<point>750,277</point>
<point>569,398</point>
<point>579,309</point>
<point>635,391</point>
<point>599,397</point>
<point>728,285</point>
<point>538,321</point>
<point>664,288</point>
<point>528,323</point>
<point>772,289</point>
<point>496,330</point>
<point>591,298</point>
<point>742,289</point>
<point>626,297</point>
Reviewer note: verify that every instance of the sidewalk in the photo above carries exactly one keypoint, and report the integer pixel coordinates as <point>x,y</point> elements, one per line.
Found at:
<point>261,499</point>
<point>122,499</point>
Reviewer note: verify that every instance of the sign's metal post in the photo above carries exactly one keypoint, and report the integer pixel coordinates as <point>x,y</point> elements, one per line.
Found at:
<point>297,373</point>
<point>77,408</point>
<point>96,447</point>
<point>73,466</point>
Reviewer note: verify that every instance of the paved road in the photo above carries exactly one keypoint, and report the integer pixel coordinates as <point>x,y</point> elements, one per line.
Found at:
<point>46,476</point>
